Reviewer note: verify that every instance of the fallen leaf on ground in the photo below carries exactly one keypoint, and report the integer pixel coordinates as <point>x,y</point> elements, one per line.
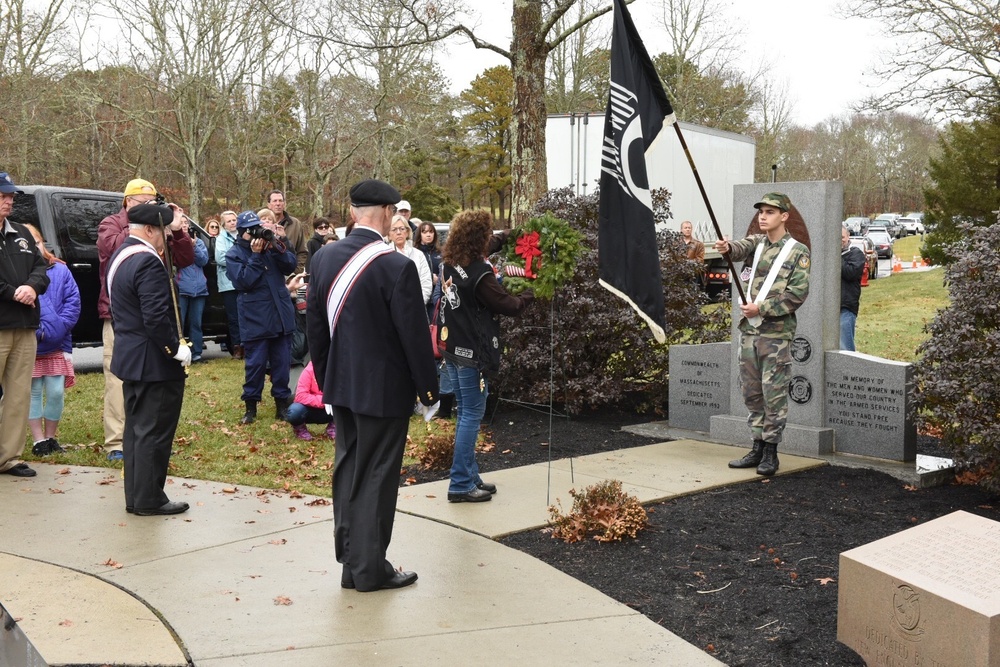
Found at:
<point>318,501</point>
<point>409,481</point>
<point>278,542</point>
<point>66,623</point>
<point>910,487</point>
<point>229,489</point>
<point>823,581</point>
<point>106,481</point>
<point>283,600</point>
<point>56,491</point>
<point>64,471</point>
<point>189,486</point>
<point>113,563</point>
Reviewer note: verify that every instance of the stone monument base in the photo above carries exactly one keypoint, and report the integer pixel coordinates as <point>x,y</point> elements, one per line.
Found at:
<point>796,439</point>
<point>927,596</point>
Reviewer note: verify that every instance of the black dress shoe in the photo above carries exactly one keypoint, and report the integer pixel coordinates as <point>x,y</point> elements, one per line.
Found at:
<point>486,486</point>
<point>474,496</point>
<point>167,508</point>
<point>399,580</point>
<point>130,510</point>
<point>20,470</point>
<point>346,579</point>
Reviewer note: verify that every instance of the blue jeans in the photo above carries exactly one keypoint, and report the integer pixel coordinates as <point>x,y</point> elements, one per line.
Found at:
<point>471,391</point>
<point>847,320</point>
<point>192,308</point>
<point>299,414</point>
<point>55,391</point>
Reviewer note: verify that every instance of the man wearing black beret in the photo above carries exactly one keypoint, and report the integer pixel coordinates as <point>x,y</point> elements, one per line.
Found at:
<point>148,357</point>
<point>371,350</point>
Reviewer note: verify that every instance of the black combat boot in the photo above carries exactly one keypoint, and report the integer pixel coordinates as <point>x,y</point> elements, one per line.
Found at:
<point>753,457</point>
<point>281,408</point>
<point>251,414</point>
<point>769,464</point>
<point>447,402</point>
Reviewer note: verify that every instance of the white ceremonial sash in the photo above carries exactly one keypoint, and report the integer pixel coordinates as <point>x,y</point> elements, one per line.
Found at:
<point>348,276</point>
<point>772,275</point>
<point>130,251</point>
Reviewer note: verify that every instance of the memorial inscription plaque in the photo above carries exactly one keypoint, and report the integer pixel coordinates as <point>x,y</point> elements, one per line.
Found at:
<point>699,384</point>
<point>928,596</point>
<point>867,403</point>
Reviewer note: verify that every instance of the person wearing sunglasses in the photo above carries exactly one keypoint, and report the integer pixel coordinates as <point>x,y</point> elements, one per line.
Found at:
<point>212,228</point>
<point>322,228</point>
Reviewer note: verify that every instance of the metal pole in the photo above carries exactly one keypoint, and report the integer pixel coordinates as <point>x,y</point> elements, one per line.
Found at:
<point>586,121</point>
<point>572,126</point>
<point>579,129</point>
<point>774,173</point>
<point>711,213</point>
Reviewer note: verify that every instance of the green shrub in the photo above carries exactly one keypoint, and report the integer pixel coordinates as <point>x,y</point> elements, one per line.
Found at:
<point>956,388</point>
<point>604,509</point>
<point>603,350</point>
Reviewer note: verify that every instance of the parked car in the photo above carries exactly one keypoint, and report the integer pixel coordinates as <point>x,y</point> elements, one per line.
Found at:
<point>857,225</point>
<point>867,246</point>
<point>883,242</point>
<point>68,219</point>
<point>891,223</point>
<point>911,226</point>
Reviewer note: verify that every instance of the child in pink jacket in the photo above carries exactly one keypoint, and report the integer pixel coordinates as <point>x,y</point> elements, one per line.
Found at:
<point>308,407</point>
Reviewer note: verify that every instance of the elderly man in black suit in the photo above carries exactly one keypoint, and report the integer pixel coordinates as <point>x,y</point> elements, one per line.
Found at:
<point>148,357</point>
<point>372,354</point>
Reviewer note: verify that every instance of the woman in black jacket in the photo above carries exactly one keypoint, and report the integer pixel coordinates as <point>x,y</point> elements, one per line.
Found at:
<point>321,228</point>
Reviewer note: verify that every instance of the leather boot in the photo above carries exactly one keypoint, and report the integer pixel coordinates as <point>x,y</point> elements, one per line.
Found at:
<point>447,402</point>
<point>769,464</point>
<point>281,408</point>
<point>251,414</point>
<point>238,352</point>
<point>753,457</point>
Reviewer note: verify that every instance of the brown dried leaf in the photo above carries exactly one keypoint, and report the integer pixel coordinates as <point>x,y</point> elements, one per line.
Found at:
<point>66,623</point>
<point>278,542</point>
<point>113,563</point>
<point>318,501</point>
<point>64,471</point>
<point>910,487</point>
<point>283,600</point>
<point>823,581</point>
<point>229,489</point>
<point>56,491</point>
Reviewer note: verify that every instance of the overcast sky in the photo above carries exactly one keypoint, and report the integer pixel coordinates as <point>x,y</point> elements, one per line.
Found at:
<point>824,58</point>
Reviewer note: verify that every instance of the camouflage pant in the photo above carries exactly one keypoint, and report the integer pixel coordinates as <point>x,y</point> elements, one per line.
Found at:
<point>765,365</point>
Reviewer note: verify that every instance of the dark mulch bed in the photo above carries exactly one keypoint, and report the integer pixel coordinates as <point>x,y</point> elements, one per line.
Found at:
<point>766,614</point>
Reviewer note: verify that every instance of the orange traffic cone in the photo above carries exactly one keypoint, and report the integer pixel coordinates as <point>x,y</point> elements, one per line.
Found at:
<point>915,264</point>
<point>864,278</point>
<point>924,262</point>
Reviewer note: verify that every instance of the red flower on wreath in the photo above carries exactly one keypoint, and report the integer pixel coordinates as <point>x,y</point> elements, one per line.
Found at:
<point>527,247</point>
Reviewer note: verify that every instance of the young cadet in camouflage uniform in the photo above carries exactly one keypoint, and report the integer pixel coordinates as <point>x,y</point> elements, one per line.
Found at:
<point>768,326</point>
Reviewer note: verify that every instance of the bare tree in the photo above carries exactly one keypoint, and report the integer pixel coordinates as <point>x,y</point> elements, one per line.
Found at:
<point>32,42</point>
<point>946,54</point>
<point>196,57</point>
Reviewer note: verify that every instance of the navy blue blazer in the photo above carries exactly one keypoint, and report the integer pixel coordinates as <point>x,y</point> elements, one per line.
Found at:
<point>380,359</point>
<point>142,314</point>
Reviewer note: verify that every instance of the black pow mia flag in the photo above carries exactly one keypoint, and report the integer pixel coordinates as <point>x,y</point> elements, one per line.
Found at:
<point>638,108</point>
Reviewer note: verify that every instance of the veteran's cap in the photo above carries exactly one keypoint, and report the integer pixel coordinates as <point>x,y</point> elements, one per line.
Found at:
<point>151,214</point>
<point>373,193</point>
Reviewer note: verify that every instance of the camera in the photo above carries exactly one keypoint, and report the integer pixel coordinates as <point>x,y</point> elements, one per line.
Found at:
<point>261,232</point>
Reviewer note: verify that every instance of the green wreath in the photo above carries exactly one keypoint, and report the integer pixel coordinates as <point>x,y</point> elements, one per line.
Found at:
<point>542,255</point>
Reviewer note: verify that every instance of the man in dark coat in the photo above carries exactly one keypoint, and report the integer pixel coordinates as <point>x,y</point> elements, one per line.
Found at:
<point>371,351</point>
<point>148,357</point>
<point>852,267</point>
<point>257,268</point>
<point>22,279</point>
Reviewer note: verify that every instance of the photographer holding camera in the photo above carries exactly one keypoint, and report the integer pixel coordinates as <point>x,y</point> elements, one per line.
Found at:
<point>257,265</point>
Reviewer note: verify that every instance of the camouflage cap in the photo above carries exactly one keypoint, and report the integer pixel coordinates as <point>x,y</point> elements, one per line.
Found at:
<point>776,199</point>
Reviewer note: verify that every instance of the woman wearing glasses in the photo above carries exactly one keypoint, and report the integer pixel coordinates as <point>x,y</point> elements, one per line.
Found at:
<point>321,230</point>
<point>399,234</point>
<point>213,228</point>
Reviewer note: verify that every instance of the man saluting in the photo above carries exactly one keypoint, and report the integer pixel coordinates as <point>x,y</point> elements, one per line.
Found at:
<point>148,357</point>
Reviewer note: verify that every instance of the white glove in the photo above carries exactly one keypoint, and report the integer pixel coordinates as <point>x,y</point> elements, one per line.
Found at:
<point>184,355</point>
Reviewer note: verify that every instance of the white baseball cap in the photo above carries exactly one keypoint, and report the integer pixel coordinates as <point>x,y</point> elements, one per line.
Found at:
<point>403,205</point>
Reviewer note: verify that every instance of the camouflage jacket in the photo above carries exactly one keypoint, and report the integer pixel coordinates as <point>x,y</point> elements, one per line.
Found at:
<point>790,288</point>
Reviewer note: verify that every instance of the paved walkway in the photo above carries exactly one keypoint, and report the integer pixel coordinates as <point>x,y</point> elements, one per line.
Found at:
<point>248,576</point>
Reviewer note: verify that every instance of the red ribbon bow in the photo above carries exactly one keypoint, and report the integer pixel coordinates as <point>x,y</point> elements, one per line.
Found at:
<point>527,247</point>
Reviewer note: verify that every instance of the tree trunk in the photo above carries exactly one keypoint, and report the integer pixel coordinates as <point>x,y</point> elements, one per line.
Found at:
<point>529,50</point>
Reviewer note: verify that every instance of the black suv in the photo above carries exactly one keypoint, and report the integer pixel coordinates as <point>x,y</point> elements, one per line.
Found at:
<point>68,219</point>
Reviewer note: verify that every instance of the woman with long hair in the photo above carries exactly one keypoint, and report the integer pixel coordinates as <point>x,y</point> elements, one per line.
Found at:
<point>469,326</point>
<point>53,372</point>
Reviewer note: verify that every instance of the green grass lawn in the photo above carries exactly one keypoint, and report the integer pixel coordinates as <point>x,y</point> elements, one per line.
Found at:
<point>211,443</point>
